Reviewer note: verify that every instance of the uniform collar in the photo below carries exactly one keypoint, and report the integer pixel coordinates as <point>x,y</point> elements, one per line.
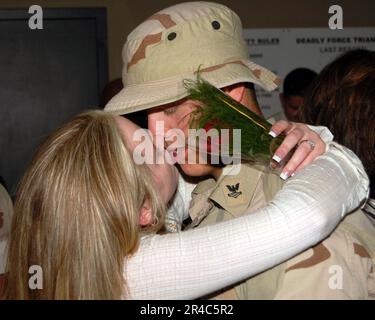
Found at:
<point>204,186</point>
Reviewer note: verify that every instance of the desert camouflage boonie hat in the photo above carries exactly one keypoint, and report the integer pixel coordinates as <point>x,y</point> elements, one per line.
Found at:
<point>173,44</point>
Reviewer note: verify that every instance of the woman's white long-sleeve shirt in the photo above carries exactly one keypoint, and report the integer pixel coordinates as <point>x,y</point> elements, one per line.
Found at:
<point>194,263</point>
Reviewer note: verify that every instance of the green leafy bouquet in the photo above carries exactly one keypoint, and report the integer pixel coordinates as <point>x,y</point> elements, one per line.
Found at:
<point>219,111</point>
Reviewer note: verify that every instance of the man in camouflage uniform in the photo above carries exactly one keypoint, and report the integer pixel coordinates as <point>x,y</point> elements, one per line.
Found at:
<point>340,267</point>
<point>171,46</point>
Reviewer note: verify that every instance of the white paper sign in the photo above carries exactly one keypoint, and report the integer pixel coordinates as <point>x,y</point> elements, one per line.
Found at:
<point>282,50</point>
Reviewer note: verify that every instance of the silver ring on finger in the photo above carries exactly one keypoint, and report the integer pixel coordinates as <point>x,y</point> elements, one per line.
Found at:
<point>309,142</point>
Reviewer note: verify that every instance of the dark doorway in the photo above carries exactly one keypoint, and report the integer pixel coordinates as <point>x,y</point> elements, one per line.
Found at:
<point>46,77</point>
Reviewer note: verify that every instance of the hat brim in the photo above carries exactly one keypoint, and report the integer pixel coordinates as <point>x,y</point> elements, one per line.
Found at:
<point>137,97</point>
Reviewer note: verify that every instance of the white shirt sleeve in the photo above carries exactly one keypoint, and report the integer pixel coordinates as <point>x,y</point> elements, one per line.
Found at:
<point>195,263</point>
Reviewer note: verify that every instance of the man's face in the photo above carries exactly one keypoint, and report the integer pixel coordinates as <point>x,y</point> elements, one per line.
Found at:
<point>292,105</point>
<point>176,115</point>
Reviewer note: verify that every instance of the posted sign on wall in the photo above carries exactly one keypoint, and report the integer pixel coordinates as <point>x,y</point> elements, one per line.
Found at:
<point>282,50</point>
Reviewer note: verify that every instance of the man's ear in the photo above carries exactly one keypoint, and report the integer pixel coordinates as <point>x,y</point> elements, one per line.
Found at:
<point>236,92</point>
<point>244,95</point>
<point>145,214</point>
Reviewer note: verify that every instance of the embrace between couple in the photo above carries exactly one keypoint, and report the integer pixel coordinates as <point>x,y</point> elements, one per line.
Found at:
<point>89,215</point>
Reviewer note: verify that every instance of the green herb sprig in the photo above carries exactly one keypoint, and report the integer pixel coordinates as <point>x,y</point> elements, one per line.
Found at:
<point>222,111</point>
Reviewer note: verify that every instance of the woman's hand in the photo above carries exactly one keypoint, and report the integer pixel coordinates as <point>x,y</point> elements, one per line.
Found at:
<point>308,143</point>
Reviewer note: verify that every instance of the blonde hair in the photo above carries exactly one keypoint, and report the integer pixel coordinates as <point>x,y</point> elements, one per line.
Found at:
<point>76,213</point>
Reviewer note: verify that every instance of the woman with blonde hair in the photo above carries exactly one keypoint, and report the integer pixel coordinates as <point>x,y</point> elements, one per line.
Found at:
<point>87,214</point>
